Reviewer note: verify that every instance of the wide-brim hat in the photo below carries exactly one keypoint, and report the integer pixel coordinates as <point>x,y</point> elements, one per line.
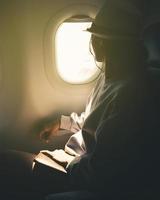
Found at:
<point>119,19</point>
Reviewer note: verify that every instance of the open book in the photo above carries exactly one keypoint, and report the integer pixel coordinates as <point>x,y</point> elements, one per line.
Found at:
<point>57,159</point>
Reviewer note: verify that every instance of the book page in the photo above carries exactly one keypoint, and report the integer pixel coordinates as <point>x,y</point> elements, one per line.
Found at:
<point>59,155</point>
<point>42,158</point>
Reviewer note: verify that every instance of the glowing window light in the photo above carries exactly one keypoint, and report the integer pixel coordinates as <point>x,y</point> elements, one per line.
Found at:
<point>75,64</point>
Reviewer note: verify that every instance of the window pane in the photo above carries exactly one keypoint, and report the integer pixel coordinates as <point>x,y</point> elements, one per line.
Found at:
<point>75,64</point>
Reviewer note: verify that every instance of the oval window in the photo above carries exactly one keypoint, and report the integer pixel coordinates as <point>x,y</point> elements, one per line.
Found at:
<point>75,64</point>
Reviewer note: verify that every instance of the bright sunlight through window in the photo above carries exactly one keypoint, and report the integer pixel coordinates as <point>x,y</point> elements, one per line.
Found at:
<point>75,64</point>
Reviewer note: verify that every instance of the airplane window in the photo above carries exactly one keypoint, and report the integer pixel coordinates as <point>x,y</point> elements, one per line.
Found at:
<point>75,63</point>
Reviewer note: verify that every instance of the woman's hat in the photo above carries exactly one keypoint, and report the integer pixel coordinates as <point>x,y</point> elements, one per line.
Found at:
<point>119,19</point>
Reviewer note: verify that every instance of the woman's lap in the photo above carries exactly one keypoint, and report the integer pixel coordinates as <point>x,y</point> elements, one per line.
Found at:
<point>15,172</point>
<point>17,179</point>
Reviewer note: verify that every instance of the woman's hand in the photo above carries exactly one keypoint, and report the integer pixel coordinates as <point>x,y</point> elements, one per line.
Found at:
<point>49,129</point>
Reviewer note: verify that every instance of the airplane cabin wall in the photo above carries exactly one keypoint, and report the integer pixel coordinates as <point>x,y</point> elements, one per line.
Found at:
<point>26,94</point>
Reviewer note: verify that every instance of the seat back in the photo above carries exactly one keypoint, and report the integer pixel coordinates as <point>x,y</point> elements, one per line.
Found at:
<point>152,35</point>
<point>152,44</point>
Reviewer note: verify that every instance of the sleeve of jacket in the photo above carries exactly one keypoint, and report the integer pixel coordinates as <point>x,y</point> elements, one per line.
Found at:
<point>72,123</point>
